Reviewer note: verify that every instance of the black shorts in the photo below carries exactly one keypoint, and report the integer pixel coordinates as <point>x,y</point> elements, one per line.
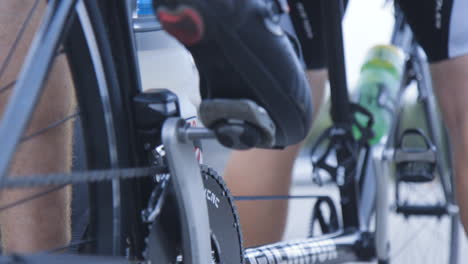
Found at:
<point>440,26</point>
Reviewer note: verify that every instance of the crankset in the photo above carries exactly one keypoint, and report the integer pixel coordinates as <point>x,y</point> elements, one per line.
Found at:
<point>163,242</point>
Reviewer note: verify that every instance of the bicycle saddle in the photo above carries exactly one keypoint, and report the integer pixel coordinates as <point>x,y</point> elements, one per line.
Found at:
<point>253,86</point>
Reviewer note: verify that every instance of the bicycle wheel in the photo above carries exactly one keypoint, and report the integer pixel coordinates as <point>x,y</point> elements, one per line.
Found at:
<point>101,62</point>
<point>430,236</point>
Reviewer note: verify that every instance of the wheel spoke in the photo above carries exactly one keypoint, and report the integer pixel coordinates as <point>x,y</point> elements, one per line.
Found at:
<point>408,241</point>
<point>424,244</point>
<point>50,126</point>
<point>18,38</point>
<point>71,245</point>
<point>7,87</point>
<point>30,198</point>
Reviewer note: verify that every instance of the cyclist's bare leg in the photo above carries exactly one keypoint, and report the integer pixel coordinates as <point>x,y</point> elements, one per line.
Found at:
<point>43,223</point>
<point>451,86</point>
<point>267,172</point>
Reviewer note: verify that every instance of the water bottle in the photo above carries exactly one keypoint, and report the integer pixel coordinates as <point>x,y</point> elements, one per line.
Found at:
<point>378,87</point>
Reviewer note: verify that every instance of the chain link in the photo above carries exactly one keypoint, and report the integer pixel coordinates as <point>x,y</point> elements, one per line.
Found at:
<point>79,177</point>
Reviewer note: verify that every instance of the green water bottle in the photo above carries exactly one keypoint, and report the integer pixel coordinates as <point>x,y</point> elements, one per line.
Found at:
<point>377,88</point>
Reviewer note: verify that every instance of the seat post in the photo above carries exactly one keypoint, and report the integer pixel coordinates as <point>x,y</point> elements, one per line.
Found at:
<point>332,13</point>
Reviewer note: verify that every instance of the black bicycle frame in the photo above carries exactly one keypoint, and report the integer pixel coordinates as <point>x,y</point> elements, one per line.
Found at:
<point>332,13</point>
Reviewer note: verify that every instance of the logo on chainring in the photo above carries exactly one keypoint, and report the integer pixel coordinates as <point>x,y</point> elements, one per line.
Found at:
<point>211,197</point>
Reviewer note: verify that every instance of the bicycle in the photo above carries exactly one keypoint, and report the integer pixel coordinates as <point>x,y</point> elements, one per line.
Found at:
<point>158,211</point>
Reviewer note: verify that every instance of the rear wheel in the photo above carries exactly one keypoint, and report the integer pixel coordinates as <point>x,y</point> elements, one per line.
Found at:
<point>110,225</point>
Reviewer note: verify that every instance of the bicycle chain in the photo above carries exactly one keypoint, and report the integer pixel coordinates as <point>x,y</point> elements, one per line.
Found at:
<point>80,177</point>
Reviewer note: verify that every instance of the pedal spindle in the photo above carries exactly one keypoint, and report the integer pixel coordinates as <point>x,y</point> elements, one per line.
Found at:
<point>415,164</point>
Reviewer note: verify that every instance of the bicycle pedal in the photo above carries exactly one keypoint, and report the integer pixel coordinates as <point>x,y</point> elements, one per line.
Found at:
<point>238,123</point>
<point>415,164</point>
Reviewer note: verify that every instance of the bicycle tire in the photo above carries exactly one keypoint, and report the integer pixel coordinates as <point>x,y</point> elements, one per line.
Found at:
<point>119,64</point>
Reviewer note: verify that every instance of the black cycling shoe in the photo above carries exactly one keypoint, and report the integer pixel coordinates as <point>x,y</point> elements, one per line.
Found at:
<point>254,90</point>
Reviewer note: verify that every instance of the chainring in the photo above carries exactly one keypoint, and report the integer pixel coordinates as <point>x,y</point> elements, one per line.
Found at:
<point>163,243</point>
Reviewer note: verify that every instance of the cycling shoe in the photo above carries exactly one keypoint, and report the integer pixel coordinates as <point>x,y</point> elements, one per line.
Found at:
<point>253,86</point>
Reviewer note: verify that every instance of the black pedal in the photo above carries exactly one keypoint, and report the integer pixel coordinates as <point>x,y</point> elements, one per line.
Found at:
<point>415,164</point>
<point>150,110</point>
<point>238,124</point>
